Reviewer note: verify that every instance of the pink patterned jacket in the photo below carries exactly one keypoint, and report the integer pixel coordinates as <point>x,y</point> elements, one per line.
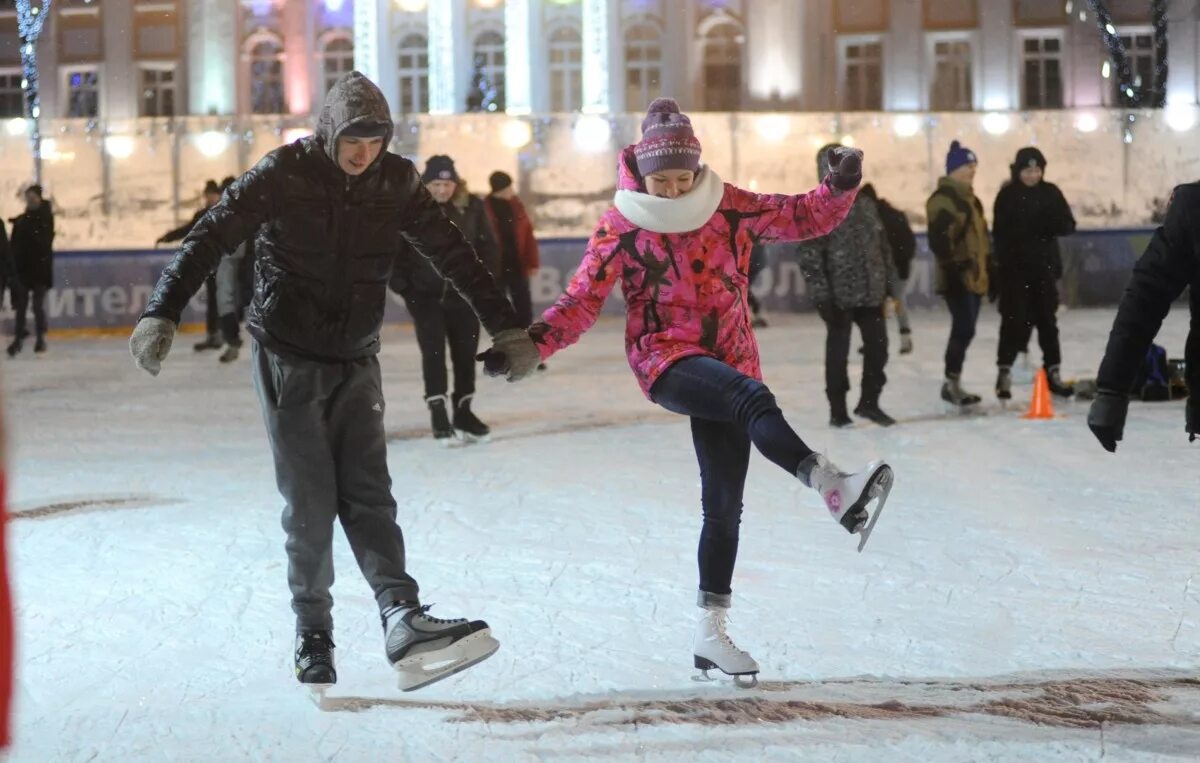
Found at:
<point>682,264</point>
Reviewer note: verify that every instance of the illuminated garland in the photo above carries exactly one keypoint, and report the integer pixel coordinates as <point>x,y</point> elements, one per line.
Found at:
<point>1144,94</point>
<point>30,20</point>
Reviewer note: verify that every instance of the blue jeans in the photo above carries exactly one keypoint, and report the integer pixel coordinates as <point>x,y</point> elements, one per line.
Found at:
<point>964,312</point>
<point>729,411</point>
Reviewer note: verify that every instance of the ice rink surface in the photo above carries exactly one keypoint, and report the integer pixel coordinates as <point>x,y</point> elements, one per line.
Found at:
<point>1026,596</point>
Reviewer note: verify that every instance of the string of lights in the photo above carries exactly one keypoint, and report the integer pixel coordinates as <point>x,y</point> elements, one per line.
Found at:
<point>31,18</point>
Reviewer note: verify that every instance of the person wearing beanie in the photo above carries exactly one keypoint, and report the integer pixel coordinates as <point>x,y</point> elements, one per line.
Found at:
<point>850,275</point>
<point>678,242</point>
<point>1029,216</point>
<point>33,260</point>
<point>212,313</point>
<point>958,236</point>
<point>327,212</point>
<point>518,245</point>
<point>440,315</point>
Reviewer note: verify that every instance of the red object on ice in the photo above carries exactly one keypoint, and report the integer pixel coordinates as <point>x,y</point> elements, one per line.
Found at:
<point>6,623</point>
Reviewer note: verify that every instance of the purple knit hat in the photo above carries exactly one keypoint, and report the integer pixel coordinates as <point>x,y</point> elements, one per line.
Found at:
<point>668,142</point>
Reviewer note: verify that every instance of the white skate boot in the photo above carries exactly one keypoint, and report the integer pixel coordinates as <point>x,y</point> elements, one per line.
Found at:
<point>425,649</point>
<point>713,649</point>
<point>847,495</point>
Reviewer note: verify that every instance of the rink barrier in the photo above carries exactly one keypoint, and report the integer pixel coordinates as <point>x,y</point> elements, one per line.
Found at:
<point>101,293</point>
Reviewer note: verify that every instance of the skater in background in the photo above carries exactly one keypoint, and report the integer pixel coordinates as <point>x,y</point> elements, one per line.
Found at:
<point>440,314</point>
<point>33,256</point>
<point>8,267</point>
<point>758,263</point>
<point>1029,216</point>
<point>518,246</point>
<point>903,245</point>
<point>958,236</point>
<point>1170,264</point>
<point>329,210</point>
<point>678,241</point>
<point>228,279</point>
<point>212,325</point>
<point>850,274</point>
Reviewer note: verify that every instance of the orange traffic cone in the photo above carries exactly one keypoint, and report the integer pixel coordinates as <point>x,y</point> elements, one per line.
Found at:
<point>1040,406</point>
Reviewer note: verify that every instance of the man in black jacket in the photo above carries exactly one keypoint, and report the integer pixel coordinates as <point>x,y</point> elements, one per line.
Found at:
<point>1170,264</point>
<point>440,315</point>
<point>329,211</point>
<point>1029,217</point>
<point>33,253</point>
<point>212,327</point>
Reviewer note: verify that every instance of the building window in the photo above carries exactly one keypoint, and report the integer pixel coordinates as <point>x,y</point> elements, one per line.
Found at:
<point>643,66</point>
<point>951,89</point>
<point>12,97</point>
<point>1139,47</point>
<point>83,93</point>
<point>566,69</point>
<point>722,61</point>
<point>336,59</point>
<point>414,74</point>
<point>1041,76</point>
<point>265,75</point>
<point>158,92</point>
<point>489,62</point>
<point>862,75</point>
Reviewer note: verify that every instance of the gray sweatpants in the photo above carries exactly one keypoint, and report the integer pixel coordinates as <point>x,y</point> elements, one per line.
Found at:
<point>325,425</point>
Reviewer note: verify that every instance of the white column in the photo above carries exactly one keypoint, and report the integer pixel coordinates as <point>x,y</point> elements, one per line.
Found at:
<point>1181,52</point>
<point>299,65</point>
<point>212,57</point>
<point>446,23</point>
<point>903,54</point>
<point>598,28</point>
<point>518,66</point>
<point>375,48</point>
<point>119,76</point>
<point>994,58</point>
<point>774,39</point>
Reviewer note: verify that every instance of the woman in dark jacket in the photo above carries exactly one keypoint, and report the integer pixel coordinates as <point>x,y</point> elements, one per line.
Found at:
<point>439,314</point>
<point>1030,214</point>
<point>33,253</point>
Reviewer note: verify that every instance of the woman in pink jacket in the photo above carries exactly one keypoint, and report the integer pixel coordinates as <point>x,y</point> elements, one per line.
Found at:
<point>678,239</point>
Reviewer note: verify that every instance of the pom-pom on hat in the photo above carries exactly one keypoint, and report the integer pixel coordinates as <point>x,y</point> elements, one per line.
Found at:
<point>668,142</point>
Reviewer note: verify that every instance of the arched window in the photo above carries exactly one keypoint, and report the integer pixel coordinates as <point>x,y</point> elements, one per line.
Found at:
<point>643,66</point>
<point>488,63</point>
<point>723,67</point>
<point>414,74</point>
<point>337,58</point>
<point>264,73</point>
<point>566,69</point>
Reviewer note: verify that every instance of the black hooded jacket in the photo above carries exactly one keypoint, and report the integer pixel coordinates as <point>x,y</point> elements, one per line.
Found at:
<point>326,241</point>
<point>1027,222</point>
<point>33,246</point>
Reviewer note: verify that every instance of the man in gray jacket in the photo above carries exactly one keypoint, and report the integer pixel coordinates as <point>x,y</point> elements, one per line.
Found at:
<point>328,212</point>
<point>850,273</point>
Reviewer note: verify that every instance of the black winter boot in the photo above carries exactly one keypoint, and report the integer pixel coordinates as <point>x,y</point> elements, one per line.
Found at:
<point>838,416</point>
<point>868,408</point>
<point>466,422</point>
<point>439,417</point>
<point>1056,384</point>
<point>1004,383</point>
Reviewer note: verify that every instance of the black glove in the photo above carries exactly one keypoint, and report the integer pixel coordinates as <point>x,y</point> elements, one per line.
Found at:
<point>1106,418</point>
<point>1193,416</point>
<point>845,167</point>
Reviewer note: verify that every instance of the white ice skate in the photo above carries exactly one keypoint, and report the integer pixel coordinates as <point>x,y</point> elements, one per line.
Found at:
<point>712,649</point>
<point>848,495</point>
<point>426,649</point>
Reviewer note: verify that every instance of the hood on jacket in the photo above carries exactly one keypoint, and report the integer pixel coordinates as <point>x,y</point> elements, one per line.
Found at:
<point>353,100</point>
<point>823,160</point>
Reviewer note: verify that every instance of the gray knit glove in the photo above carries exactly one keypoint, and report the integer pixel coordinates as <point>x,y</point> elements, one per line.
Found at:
<point>150,343</point>
<point>512,355</point>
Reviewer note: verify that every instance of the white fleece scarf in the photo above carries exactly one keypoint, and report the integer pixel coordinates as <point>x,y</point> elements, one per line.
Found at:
<point>686,213</point>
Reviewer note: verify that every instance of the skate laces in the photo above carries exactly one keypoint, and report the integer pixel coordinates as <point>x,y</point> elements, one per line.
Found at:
<point>720,619</point>
<point>317,647</point>
<point>422,612</point>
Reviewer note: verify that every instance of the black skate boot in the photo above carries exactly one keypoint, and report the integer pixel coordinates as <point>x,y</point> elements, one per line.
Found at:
<point>953,393</point>
<point>467,423</point>
<point>425,649</point>
<point>906,342</point>
<point>439,418</point>
<point>1004,383</point>
<point>15,348</point>
<point>314,659</point>
<point>869,409</point>
<point>39,346</point>
<point>838,417</point>
<point>1056,384</point>
<point>211,342</point>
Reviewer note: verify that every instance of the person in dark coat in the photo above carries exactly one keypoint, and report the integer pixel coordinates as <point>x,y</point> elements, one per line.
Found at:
<point>1029,216</point>
<point>1170,264</point>
<point>518,246</point>
<point>903,245</point>
<point>327,212</point>
<point>8,267</point>
<point>212,313</point>
<point>33,255</point>
<point>850,274</point>
<point>440,314</point>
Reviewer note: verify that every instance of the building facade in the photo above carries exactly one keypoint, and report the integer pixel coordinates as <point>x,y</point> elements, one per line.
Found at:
<point>116,60</point>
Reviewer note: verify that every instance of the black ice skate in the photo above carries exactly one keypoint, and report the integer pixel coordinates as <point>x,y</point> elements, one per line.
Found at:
<point>314,660</point>
<point>466,423</point>
<point>1056,384</point>
<point>838,417</point>
<point>1004,384</point>
<point>872,412</point>
<point>955,395</point>
<point>425,649</point>
<point>211,342</point>
<point>439,418</point>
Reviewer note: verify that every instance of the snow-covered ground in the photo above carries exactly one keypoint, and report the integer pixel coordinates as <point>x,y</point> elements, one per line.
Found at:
<point>1026,596</point>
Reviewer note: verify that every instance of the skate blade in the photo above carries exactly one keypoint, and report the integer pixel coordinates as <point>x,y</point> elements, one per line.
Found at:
<point>466,438</point>
<point>740,680</point>
<point>878,488</point>
<point>431,667</point>
<point>316,692</point>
